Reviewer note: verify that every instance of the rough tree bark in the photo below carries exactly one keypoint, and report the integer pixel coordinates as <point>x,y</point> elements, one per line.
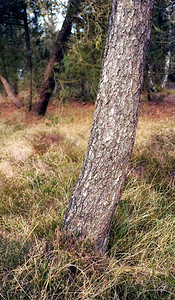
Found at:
<point>10,93</point>
<point>98,190</point>
<point>57,55</point>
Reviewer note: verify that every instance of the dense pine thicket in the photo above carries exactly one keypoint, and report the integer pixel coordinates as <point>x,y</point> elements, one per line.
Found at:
<point>78,74</point>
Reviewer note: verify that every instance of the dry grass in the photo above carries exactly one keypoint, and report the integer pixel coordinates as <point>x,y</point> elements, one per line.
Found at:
<point>40,159</point>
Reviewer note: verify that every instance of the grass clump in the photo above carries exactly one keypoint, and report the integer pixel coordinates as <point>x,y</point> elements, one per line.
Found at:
<point>35,189</point>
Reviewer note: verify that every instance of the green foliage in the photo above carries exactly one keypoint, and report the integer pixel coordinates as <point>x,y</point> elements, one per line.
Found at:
<point>78,76</point>
<point>162,41</point>
<point>80,73</point>
<point>11,51</point>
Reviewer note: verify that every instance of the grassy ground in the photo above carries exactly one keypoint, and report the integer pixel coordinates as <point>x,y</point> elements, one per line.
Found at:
<point>40,160</point>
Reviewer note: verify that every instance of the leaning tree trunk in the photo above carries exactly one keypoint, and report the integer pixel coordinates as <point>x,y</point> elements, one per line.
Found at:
<point>29,58</point>
<point>57,55</point>
<point>10,93</point>
<point>100,184</point>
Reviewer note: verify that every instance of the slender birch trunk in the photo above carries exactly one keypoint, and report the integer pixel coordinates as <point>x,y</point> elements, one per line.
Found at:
<point>166,69</point>
<point>100,184</point>
<point>150,80</point>
<point>10,93</point>
<point>170,10</point>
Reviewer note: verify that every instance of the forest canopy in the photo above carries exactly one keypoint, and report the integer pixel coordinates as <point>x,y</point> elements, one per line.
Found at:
<point>24,59</point>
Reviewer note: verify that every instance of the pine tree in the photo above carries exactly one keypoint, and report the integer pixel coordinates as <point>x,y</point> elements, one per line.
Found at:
<point>99,187</point>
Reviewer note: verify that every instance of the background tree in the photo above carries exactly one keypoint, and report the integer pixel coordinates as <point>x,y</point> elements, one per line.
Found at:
<point>21,27</point>
<point>15,17</point>
<point>11,59</point>
<point>162,41</point>
<point>98,190</point>
<point>57,55</point>
<point>29,30</point>
<point>80,72</point>
<point>10,93</point>
<point>29,54</point>
<point>170,10</point>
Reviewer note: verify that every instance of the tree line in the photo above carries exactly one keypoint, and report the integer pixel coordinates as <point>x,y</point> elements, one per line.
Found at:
<point>33,53</point>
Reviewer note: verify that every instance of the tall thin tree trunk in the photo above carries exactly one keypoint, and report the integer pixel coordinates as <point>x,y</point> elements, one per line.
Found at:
<point>170,11</point>
<point>10,93</point>
<point>57,55</point>
<point>150,80</point>
<point>166,69</point>
<point>100,184</point>
<point>29,58</point>
<point>15,88</point>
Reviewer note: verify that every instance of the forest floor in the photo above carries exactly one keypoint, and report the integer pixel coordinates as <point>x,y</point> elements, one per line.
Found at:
<point>40,159</point>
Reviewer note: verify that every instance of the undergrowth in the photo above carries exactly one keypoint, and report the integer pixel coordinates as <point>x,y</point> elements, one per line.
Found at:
<point>39,165</point>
